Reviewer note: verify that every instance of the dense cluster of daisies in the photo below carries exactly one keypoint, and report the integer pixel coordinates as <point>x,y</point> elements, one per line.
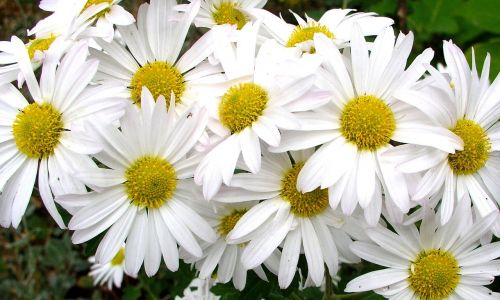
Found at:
<point>258,143</point>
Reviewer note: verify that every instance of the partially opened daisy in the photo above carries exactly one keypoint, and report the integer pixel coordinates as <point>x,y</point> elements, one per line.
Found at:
<point>141,196</point>
<point>232,12</point>
<point>300,222</point>
<point>45,136</point>
<point>336,24</point>
<point>109,273</point>
<point>251,110</point>
<point>151,57</point>
<point>432,262</point>
<point>101,13</point>
<point>470,107</point>
<point>220,259</point>
<point>356,127</point>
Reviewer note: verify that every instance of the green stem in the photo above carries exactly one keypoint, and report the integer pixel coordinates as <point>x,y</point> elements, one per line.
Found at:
<point>329,295</point>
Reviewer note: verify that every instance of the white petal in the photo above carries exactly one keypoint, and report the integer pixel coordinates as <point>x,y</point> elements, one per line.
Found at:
<point>115,237</point>
<point>312,249</point>
<point>375,280</point>
<point>378,255</point>
<point>289,258</point>
<point>135,248</point>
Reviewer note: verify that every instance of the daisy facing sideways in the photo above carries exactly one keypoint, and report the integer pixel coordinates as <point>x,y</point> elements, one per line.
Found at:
<point>336,24</point>
<point>140,199</point>
<point>103,14</point>
<point>300,222</point>
<point>432,262</point>
<point>45,137</point>
<point>111,273</point>
<point>470,107</point>
<point>356,127</point>
<point>151,56</point>
<point>253,109</point>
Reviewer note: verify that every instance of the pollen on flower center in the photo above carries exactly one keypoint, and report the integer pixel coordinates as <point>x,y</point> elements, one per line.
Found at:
<point>228,13</point>
<point>242,105</point>
<point>302,204</point>
<point>434,274</point>
<point>477,147</point>
<point>150,182</point>
<point>303,33</point>
<point>119,257</point>
<point>367,122</point>
<point>37,130</point>
<point>160,78</point>
<point>227,223</point>
<point>39,45</point>
<point>95,2</point>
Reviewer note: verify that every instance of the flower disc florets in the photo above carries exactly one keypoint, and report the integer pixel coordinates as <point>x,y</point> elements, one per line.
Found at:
<point>367,122</point>
<point>304,33</point>
<point>39,45</point>
<point>160,78</point>
<point>434,274</point>
<point>242,105</point>
<point>227,223</point>
<point>150,182</point>
<point>302,204</point>
<point>37,130</point>
<point>477,147</point>
<point>228,13</point>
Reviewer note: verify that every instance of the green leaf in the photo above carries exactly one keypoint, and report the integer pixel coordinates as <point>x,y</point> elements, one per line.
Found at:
<point>384,7</point>
<point>493,47</point>
<point>131,293</point>
<point>482,13</point>
<point>434,16</point>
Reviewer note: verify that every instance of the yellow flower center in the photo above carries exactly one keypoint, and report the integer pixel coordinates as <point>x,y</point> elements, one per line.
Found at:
<point>160,78</point>
<point>227,223</point>
<point>150,182</point>
<point>302,205</point>
<point>37,130</point>
<point>242,105</point>
<point>434,274</point>
<point>96,2</point>
<point>119,257</point>
<point>477,147</point>
<point>228,13</point>
<point>367,122</point>
<point>303,33</point>
<point>39,45</point>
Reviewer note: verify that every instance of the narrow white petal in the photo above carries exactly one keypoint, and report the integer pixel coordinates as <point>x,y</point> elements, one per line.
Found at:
<point>375,280</point>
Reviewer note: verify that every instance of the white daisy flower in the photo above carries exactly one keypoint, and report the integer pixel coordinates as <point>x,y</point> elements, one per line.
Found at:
<point>289,218</point>
<point>199,289</point>
<point>223,256</point>
<point>254,108</point>
<point>109,273</point>
<point>103,13</point>
<point>151,58</point>
<point>356,127</point>
<point>141,198</point>
<point>336,24</point>
<point>232,12</point>
<point>434,262</point>
<point>46,136</point>
<point>470,107</point>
